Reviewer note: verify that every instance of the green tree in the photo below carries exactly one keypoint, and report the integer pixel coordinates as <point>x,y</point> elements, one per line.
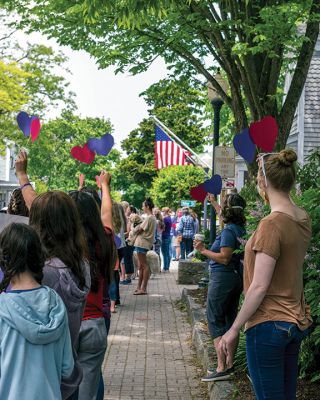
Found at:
<point>181,105</point>
<point>173,184</point>
<point>50,159</point>
<point>29,81</point>
<point>254,43</point>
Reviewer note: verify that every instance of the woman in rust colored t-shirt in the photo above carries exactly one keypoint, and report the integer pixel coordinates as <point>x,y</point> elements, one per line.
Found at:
<point>274,311</point>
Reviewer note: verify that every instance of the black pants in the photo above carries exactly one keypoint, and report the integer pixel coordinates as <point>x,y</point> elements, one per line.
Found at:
<point>128,259</point>
<point>225,288</point>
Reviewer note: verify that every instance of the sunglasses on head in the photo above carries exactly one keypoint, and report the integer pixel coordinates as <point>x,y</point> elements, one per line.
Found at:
<point>260,160</point>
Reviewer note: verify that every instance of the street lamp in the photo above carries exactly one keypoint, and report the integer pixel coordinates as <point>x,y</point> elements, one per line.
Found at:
<point>216,102</point>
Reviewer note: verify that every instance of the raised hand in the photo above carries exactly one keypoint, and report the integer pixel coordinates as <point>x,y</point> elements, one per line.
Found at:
<point>21,163</point>
<point>105,178</point>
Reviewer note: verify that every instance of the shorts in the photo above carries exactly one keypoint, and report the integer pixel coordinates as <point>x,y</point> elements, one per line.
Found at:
<point>141,250</point>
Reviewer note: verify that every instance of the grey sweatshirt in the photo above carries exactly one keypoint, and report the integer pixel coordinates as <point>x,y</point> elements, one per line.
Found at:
<point>60,278</point>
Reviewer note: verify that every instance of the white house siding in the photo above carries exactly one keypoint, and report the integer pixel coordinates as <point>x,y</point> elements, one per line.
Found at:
<point>293,137</point>
<point>312,105</point>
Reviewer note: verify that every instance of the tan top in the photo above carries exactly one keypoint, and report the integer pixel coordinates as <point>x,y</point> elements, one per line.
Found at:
<point>285,239</point>
<point>145,237</point>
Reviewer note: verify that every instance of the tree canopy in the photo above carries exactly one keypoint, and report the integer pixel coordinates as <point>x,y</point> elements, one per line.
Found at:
<point>181,105</point>
<point>50,159</point>
<point>253,42</point>
<point>173,185</point>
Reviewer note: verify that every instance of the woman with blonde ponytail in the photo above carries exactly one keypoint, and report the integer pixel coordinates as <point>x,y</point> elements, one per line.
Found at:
<point>274,313</point>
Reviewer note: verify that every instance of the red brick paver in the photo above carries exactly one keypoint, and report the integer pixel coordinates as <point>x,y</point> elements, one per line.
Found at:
<point>148,356</point>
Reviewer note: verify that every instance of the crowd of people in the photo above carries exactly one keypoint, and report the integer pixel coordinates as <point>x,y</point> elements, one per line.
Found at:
<point>60,281</point>
<point>62,274</point>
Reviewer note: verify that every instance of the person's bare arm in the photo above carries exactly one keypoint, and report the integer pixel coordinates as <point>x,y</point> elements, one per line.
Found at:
<point>29,194</point>
<point>106,206</point>
<point>263,272</point>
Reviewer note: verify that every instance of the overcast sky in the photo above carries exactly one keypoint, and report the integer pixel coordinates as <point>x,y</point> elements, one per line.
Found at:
<point>101,93</point>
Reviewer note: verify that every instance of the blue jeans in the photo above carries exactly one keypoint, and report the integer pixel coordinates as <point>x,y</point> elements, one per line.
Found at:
<point>186,246</point>
<point>165,249</point>
<point>272,355</point>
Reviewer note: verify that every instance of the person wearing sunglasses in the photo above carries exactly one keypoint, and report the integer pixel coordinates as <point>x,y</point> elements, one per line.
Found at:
<point>274,313</point>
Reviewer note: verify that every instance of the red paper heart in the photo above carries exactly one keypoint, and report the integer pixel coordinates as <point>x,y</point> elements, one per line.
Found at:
<point>264,133</point>
<point>35,127</point>
<point>83,154</point>
<point>198,193</point>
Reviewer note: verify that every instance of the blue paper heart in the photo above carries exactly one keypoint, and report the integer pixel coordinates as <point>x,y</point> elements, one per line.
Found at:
<point>213,185</point>
<point>102,146</point>
<point>244,145</point>
<point>24,122</point>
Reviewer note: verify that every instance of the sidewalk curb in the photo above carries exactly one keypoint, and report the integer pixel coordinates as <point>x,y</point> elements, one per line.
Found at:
<point>222,390</point>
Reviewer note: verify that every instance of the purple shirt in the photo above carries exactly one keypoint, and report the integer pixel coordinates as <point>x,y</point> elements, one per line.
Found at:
<point>166,232</point>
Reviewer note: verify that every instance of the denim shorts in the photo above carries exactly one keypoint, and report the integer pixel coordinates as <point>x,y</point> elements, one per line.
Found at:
<point>141,250</point>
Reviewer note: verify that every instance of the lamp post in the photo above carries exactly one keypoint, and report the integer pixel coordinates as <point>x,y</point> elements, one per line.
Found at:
<point>217,103</point>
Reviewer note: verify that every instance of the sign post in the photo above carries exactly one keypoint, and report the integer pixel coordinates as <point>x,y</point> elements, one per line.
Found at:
<point>188,203</point>
<point>224,158</point>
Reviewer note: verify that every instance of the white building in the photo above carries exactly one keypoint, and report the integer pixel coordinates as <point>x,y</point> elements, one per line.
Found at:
<point>8,179</point>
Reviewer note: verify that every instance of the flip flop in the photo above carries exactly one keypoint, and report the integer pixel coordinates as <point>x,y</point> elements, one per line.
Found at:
<point>136,291</point>
<point>140,293</point>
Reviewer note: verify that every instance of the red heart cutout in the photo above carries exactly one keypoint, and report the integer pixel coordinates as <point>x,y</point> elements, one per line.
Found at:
<point>198,193</point>
<point>264,133</point>
<point>83,154</point>
<point>35,127</point>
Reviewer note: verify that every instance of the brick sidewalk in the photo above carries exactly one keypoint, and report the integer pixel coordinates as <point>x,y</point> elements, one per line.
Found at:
<point>148,356</point>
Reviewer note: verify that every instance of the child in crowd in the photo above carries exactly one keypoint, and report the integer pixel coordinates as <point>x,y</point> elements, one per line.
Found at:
<point>35,345</point>
<point>135,220</point>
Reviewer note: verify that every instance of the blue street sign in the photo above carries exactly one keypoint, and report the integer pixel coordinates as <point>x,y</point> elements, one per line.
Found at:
<point>188,203</point>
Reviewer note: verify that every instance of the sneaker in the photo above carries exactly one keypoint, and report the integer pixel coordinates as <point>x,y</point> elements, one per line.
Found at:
<point>218,376</point>
<point>126,282</point>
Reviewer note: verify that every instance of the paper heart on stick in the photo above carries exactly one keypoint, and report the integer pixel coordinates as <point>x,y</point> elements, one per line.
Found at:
<point>198,193</point>
<point>82,154</point>
<point>24,122</point>
<point>103,145</point>
<point>264,133</point>
<point>213,185</point>
<point>244,145</point>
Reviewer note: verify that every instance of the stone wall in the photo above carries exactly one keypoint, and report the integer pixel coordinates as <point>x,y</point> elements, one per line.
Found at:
<point>190,273</point>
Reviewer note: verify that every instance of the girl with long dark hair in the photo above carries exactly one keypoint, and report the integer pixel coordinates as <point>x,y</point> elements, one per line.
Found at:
<point>102,256</point>
<point>35,345</point>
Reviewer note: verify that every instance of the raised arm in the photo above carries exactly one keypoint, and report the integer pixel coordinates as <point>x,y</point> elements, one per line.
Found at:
<point>29,194</point>
<point>106,206</point>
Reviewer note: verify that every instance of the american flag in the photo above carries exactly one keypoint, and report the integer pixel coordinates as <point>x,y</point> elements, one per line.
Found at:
<point>167,151</point>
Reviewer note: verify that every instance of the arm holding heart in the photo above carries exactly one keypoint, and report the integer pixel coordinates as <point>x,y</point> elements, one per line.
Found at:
<point>106,206</point>
<point>29,194</point>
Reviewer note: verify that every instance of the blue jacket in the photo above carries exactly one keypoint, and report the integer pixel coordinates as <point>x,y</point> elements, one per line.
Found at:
<point>35,345</point>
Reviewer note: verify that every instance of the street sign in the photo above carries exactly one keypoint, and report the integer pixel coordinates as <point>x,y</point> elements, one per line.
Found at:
<point>188,203</point>
<point>224,161</point>
<point>228,183</point>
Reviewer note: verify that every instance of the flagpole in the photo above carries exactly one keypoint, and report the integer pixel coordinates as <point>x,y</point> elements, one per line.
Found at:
<point>179,140</point>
